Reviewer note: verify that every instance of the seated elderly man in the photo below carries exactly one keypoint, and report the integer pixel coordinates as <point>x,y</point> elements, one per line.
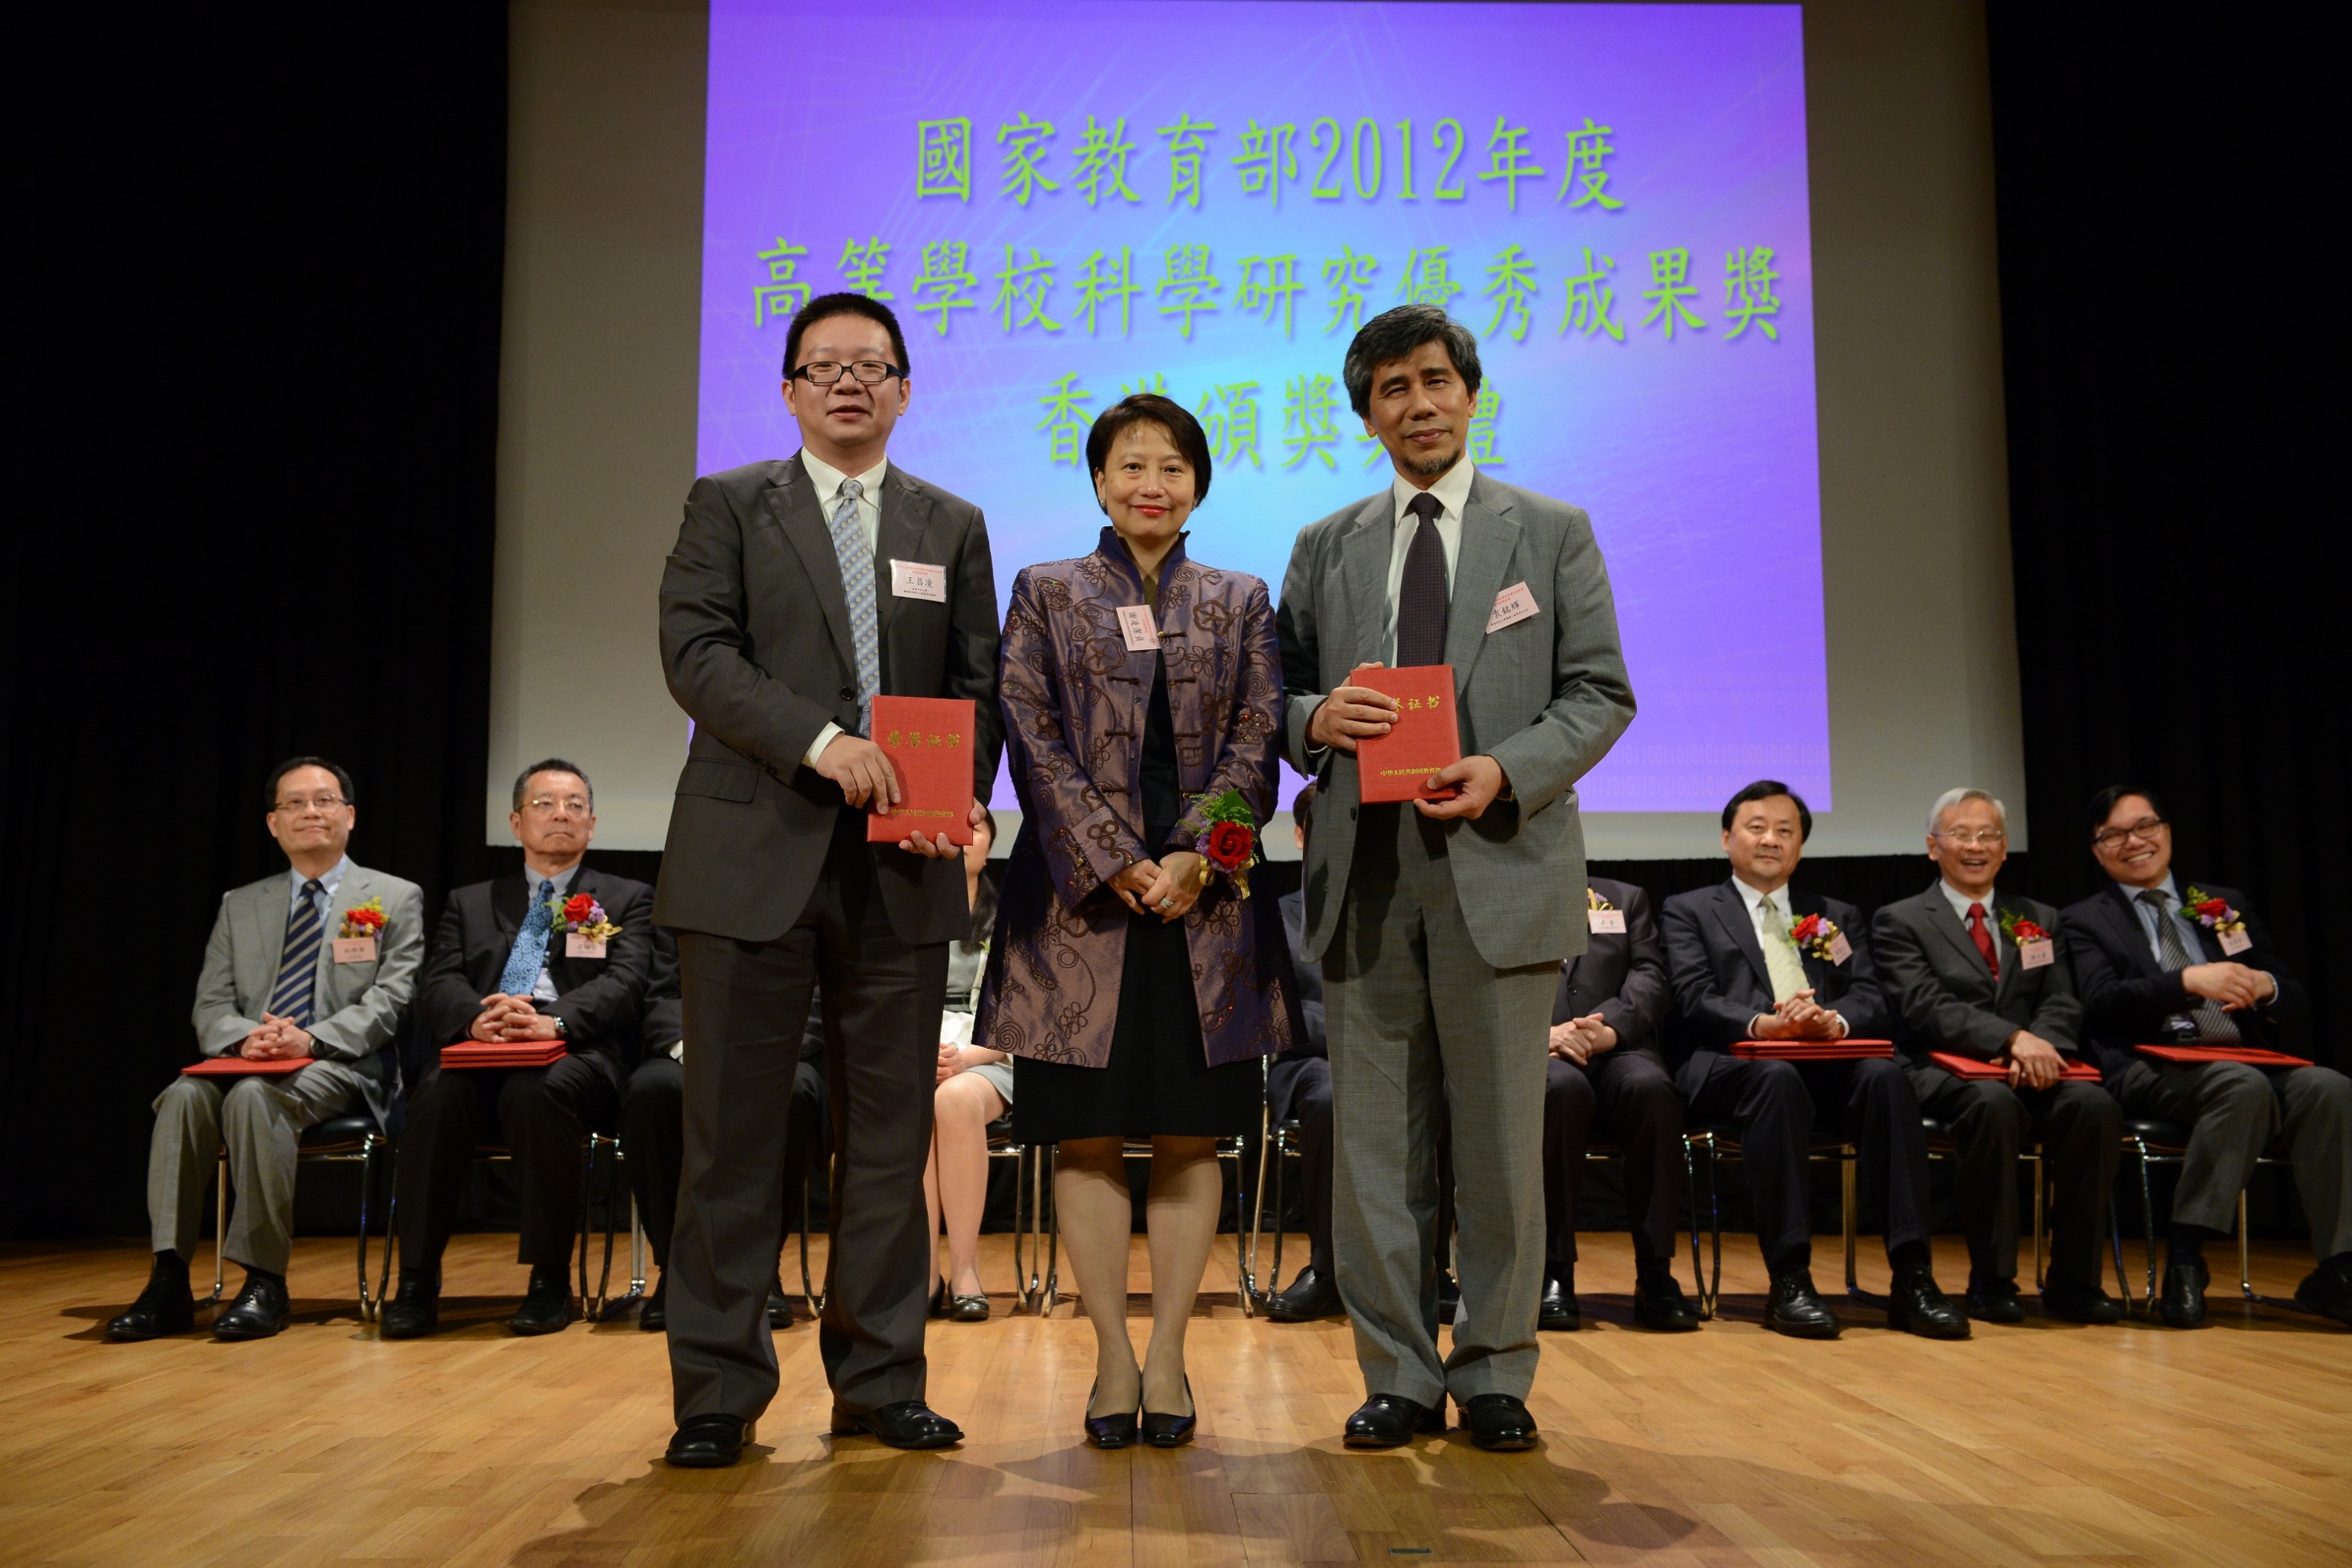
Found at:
<point>1983,974</point>
<point>314,965</point>
<point>2163,962</point>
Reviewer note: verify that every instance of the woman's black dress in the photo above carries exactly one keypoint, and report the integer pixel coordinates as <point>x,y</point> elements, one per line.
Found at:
<point>1158,1080</point>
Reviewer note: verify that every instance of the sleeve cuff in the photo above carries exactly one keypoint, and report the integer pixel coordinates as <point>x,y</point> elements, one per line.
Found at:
<point>816,747</point>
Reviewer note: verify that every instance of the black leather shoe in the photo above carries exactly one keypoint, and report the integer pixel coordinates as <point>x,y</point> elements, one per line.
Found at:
<point>1499,1423</point>
<point>1449,1296</point>
<point>2328,1295</point>
<point>1164,1431</point>
<point>1389,1421</point>
<point>967,1309</point>
<point>258,1311</point>
<point>1116,1430</point>
<point>1663,1307</point>
<point>2080,1303</point>
<point>1915,1305</point>
<point>1994,1302</point>
<point>414,1310</point>
<point>164,1307</point>
<point>780,1310</point>
<point>653,1316</point>
<point>2182,1305</point>
<point>902,1423</point>
<point>1310,1296</point>
<point>709,1442</point>
<point>1557,1309</point>
<point>1796,1308</point>
<point>546,1305</point>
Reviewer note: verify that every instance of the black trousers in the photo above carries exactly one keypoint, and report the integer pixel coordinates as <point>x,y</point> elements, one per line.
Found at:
<point>746,1009</point>
<point>653,1136</point>
<point>1301,1088</point>
<point>541,1115</point>
<point>1773,1105</point>
<point>1632,1092</point>
<point>2081,1128</point>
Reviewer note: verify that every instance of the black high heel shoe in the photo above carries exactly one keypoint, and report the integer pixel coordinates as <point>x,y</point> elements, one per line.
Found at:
<point>1171,1431</point>
<point>1109,1431</point>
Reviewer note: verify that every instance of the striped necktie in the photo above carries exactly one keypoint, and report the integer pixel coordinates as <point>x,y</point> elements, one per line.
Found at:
<point>529,955</point>
<point>855,553</point>
<point>297,972</point>
<point>2213,1024</point>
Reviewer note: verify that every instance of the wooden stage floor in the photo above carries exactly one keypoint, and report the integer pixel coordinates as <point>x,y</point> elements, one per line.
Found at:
<point>2045,1443</point>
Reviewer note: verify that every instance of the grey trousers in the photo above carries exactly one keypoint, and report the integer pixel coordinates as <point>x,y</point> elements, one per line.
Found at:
<point>2232,1109</point>
<point>262,1120</point>
<point>1418,1019</point>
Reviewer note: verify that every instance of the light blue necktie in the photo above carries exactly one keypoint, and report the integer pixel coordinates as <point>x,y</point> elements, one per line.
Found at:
<point>529,952</point>
<point>298,971</point>
<point>856,554</point>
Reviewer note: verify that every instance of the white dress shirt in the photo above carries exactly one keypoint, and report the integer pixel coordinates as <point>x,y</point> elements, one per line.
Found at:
<point>1960,902</point>
<point>1767,931</point>
<point>828,481</point>
<point>1453,493</point>
<point>331,882</point>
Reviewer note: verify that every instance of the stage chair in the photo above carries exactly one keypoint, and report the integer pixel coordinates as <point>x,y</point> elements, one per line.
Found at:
<point>1721,1144</point>
<point>2167,1143</point>
<point>339,1140</point>
<point>1047,1292</point>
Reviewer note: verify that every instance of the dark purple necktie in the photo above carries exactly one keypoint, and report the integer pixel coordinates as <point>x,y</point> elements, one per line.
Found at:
<point>1421,595</point>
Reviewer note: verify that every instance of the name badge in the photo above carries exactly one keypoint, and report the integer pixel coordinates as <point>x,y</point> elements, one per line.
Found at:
<point>914,580</point>
<point>1512,605</point>
<point>2039,953</point>
<point>578,946</point>
<point>1135,623</point>
<point>1605,922</point>
<point>1840,949</point>
<point>2235,942</point>
<point>355,949</point>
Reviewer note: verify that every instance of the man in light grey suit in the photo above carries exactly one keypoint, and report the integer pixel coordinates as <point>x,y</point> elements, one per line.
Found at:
<point>278,986</point>
<point>1442,928</point>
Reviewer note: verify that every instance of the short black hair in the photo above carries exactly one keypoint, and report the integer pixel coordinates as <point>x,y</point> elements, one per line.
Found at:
<point>1765,789</point>
<point>1302,810</point>
<point>844,304</point>
<point>552,765</point>
<point>2103,804</point>
<point>342,779</point>
<point>1391,335</point>
<point>1150,408</point>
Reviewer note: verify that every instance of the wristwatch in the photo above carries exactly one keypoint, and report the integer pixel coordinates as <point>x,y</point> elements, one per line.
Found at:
<point>562,1032</point>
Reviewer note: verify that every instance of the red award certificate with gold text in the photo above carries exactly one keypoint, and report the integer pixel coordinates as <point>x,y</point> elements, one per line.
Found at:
<point>928,740</point>
<point>1427,736</point>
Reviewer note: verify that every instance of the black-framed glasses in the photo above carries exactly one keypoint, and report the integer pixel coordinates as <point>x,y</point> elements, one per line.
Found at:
<point>2115,837</point>
<point>294,805</point>
<point>826,372</point>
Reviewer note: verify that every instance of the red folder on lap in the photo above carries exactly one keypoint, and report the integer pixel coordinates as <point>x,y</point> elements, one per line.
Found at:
<point>1974,1067</point>
<point>1848,1051</point>
<point>239,1066</point>
<point>1427,735</point>
<point>2251,1054</point>
<point>928,740</point>
<point>503,1054</point>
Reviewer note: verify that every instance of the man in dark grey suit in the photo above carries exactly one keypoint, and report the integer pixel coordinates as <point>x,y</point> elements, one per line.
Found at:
<point>797,593</point>
<point>1439,950</point>
<point>280,983</point>
<point>1971,971</point>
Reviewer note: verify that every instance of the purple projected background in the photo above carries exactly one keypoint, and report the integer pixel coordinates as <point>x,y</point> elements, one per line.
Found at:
<point>1694,451</point>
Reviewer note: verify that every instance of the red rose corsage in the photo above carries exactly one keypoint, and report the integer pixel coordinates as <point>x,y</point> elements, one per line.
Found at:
<point>1228,839</point>
<point>364,920</point>
<point>2019,930</point>
<point>580,915</point>
<point>1812,934</point>
<point>2214,914</point>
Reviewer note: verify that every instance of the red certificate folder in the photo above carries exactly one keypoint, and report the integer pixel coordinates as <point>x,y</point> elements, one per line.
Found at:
<point>237,1067</point>
<point>502,1054</point>
<point>1976,1066</point>
<point>2251,1054</point>
<point>928,740</point>
<point>1810,1050</point>
<point>1427,735</point>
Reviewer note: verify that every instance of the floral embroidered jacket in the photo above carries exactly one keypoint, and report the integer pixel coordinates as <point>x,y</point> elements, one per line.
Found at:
<point>1076,702</point>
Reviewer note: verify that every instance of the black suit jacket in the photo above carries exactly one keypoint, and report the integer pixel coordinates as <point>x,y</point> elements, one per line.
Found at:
<point>1946,999</point>
<point>756,645</point>
<point>2127,995</point>
<point>1623,978</point>
<point>1308,1041</point>
<point>1719,980</point>
<point>600,1000</point>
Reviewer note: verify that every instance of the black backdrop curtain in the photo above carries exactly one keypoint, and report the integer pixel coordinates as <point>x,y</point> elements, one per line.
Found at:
<point>256,380</point>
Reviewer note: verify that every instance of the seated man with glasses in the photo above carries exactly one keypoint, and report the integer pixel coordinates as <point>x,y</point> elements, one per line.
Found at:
<point>1975,973</point>
<point>316,966</point>
<point>2162,962</point>
<point>556,951</point>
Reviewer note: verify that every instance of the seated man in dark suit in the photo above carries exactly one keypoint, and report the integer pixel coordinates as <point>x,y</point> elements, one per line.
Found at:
<point>515,960</point>
<point>2159,962</point>
<point>653,1130</point>
<point>1975,973</point>
<point>1739,974</point>
<point>314,964</point>
<point>1300,1080</point>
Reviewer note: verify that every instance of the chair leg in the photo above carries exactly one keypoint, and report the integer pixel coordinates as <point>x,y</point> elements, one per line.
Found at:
<point>1242,1278</point>
<point>579,1252</point>
<point>1849,1181</point>
<point>1282,1151</point>
<point>637,1249</point>
<point>605,1306</point>
<point>1052,1227</point>
<point>1257,1209</point>
<point>2038,1173</point>
<point>367,1192</point>
<point>2147,1215</point>
<point>220,1227</point>
<point>2245,1253</point>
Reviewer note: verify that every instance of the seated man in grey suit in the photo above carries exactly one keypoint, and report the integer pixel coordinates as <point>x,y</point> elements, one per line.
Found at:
<point>1299,1082</point>
<point>1971,973</point>
<point>280,983</point>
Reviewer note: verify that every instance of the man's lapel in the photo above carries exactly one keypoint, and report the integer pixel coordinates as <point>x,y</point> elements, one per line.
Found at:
<point>2012,957</point>
<point>1731,913</point>
<point>1364,553</point>
<point>905,530</point>
<point>2209,943</point>
<point>1947,925</point>
<point>1489,538</point>
<point>266,909</point>
<point>510,903</point>
<point>357,889</point>
<point>791,503</point>
<point>2126,919</point>
<point>1796,906</point>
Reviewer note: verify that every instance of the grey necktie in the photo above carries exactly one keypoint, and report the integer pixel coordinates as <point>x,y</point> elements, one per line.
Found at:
<point>855,553</point>
<point>2213,1024</point>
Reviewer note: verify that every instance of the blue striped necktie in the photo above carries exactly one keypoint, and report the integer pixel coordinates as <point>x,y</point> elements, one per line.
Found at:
<point>529,952</point>
<point>855,553</point>
<point>297,972</point>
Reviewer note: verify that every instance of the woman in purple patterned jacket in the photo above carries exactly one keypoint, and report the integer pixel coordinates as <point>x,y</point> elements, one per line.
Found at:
<point>1127,978</point>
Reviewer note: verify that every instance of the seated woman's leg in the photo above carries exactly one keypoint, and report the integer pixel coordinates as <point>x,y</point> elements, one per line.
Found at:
<point>1182,1219</point>
<point>961,1111</point>
<point>1095,1216</point>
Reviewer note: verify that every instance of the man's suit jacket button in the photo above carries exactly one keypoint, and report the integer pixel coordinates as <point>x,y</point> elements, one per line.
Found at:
<point>849,694</point>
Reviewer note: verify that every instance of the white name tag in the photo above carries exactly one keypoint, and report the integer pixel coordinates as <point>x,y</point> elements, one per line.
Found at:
<point>2039,953</point>
<point>1605,922</point>
<point>913,580</point>
<point>355,949</point>
<point>1512,605</point>
<point>2235,942</point>
<point>578,946</point>
<point>1840,949</point>
<point>1135,622</point>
